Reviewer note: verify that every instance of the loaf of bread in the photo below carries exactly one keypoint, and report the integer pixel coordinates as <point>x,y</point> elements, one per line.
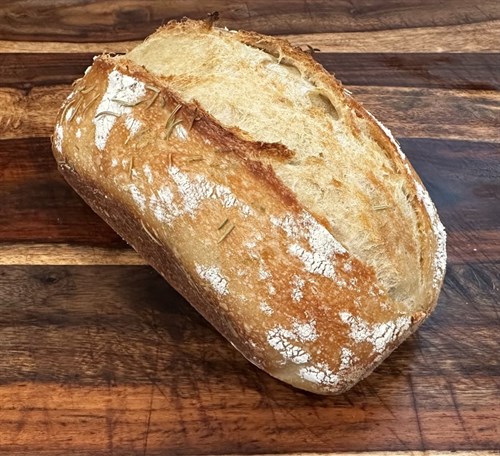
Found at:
<point>263,192</point>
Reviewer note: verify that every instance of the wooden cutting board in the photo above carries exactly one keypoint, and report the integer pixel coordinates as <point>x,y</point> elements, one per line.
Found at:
<point>98,355</point>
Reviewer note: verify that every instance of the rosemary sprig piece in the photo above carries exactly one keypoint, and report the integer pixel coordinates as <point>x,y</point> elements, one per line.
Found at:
<point>106,113</point>
<point>75,108</point>
<point>89,104</point>
<point>152,100</point>
<point>226,234</point>
<point>149,234</point>
<point>125,103</point>
<point>131,167</point>
<point>194,118</point>
<point>223,224</point>
<point>171,122</point>
<point>170,128</point>
<point>87,89</point>
<point>152,88</point>
<point>195,158</point>
<point>381,207</point>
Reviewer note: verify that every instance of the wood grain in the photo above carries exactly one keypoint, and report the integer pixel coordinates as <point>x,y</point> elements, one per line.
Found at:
<point>140,367</point>
<point>408,111</point>
<point>38,206</point>
<point>476,37</point>
<point>99,356</point>
<point>69,20</point>
<point>469,71</point>
<point>66,254</point>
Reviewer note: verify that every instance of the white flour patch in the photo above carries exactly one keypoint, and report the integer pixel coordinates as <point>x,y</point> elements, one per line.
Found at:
<point>264,274</point>
<point>138,197</point>
<point>439,233</point>
<point>163,206</point>
<point>346,359</point>
<point>78,133</point>
<point>121,92</point>
<point>297,285</point>
<point>389,135</point>
<point>58,138</point>
<point>320,257</point>
<point>133,125</point>
<point>279,339</point>
<point>69,113</point>
<point>147,172</point>
<point>114,162</point>
<point>181,132</point>
<point>266,308</point>
<point>320,374</point>
<point>378,334</point>
<point>214,277</point>
<point>285,341</point>
<point>195,190</point>
<point>306,332</point>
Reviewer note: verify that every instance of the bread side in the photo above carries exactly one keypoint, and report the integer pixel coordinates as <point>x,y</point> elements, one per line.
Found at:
<point>206,205</point>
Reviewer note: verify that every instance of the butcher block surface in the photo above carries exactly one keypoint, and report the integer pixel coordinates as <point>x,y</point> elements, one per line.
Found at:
<point>100,356</point>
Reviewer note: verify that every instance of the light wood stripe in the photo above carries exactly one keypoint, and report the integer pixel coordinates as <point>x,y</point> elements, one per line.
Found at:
<point>478,37</point>
<point>472,249</point>
<point>436,113</point>
<point>395,453</point>
<point>458,38</point>
<point>66,254</point>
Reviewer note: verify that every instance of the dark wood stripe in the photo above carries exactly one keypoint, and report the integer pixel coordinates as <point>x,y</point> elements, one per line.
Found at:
<point>462,178</point>
<point>127,20</point>
<point>434,113</point>
<point>26,70</point>
<point>38,205</point>
<point>470,71</point>
<point>433,70</point>
<point>89,346</point>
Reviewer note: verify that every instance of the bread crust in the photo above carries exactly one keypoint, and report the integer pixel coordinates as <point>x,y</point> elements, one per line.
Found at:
<point>204,206</point>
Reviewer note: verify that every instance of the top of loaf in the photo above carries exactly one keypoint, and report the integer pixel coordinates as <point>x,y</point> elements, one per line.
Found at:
<point>341,157</point>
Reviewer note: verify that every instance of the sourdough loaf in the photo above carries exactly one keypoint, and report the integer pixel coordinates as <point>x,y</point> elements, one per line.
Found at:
<point>263,192</point>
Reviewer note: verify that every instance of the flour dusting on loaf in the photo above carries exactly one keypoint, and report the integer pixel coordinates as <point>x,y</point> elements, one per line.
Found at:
<point>264,193</point>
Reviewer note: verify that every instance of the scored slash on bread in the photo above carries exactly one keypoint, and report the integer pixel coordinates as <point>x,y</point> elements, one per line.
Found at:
<point>270,199</point>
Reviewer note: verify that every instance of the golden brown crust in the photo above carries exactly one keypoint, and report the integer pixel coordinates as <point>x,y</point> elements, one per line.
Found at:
<point>203,205</point>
